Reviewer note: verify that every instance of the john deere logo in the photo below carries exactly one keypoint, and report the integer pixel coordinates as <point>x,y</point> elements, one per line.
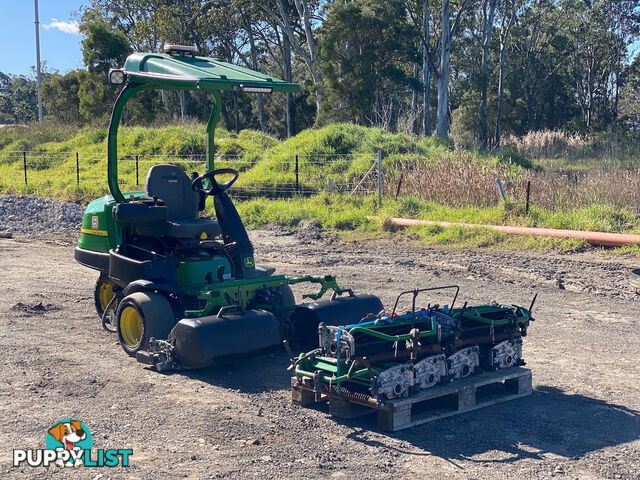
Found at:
<point>94,222</point>
<point>248,262</point>
<point>69,443</point>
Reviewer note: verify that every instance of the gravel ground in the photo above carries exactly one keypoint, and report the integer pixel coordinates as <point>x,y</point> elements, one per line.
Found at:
<point>237,421</point>
<point>38,217</point>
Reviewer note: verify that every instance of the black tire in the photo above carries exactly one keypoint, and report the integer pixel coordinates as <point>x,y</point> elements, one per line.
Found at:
<point>102,293</point>
<point>287,329</point>
<point>634,280</point>
<point>154,314</point>
<point>288,299</point>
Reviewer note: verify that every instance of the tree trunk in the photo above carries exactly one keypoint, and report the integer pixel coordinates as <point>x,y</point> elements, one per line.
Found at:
<point>224,112</point>
<point>616,98</point>
<point>183,104</point>
<point>236,113</point>
<point>305,15</point>
<point>504,35</point>
<point>529,98</point>
<point>487,32</point>
<point>426,73</point>
<point>290,107</point>
<point>443,81</point>
<point>254,64</point>
<point>309,57</point>
<point>414,103</point>
<point>498,132</point>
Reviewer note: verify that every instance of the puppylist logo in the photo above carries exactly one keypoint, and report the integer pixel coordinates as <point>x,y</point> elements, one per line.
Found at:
<point>69,443</point>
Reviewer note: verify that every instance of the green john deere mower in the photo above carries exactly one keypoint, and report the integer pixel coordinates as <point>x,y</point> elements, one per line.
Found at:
<point>185,291</point>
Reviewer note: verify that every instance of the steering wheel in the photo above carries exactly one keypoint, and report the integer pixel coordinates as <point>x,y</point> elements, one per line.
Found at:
<point>216,187</point>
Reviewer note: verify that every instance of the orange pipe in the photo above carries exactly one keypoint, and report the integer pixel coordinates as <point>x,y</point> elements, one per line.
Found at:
<point>596,238</point>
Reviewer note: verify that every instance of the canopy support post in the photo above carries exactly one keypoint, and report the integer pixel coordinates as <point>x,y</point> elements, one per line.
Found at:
<point>112,143</point>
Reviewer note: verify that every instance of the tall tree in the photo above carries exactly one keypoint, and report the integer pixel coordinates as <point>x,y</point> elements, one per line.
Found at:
<point>488,17</point>
<point>60,97</point>
<point>414,102</point>
<point>420,18</point>
<point>18,102</point>
<point>287,20</point>
<point>254,65</point>
<point>426,71</point>
<point>448,30</point>
<point>364,50</point>
<point>508,15</point>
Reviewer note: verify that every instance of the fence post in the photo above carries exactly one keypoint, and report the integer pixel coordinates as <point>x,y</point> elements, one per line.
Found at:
<point>297,179</point>
<point>380,178</point>
<point>137,183</point>
<point>24,162</point>
<point>526,208</point>
<point>77,169</point>
<point>500,189</point>
<point>399,184</point>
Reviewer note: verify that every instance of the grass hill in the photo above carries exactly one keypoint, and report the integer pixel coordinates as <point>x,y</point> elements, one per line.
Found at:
<point>576,183</point>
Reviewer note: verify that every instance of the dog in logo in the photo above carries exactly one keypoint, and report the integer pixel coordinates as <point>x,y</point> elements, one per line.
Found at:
<point>68,433</point>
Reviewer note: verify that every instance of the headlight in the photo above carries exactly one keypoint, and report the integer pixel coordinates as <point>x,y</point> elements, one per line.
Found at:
<point>117,77</point>
<point>248,89</point>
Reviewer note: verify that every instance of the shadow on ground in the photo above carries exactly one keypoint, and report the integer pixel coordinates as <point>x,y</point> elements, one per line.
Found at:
<point>253,373</point>
<point>549,421</point>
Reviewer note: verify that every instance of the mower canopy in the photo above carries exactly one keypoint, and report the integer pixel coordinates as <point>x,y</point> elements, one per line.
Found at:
<point>182,69</point>
<point>179,68</point>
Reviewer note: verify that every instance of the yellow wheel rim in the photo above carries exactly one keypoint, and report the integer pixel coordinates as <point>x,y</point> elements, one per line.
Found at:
<point>131,327</point>
<point>105,294</point>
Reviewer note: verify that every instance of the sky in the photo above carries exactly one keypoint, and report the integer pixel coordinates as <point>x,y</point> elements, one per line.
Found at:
<point>59,37</point>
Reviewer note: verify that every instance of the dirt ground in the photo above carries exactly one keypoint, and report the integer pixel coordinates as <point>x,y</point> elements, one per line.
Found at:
<point>582,421</point>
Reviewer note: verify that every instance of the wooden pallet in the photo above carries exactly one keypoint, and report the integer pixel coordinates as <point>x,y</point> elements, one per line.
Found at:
<point>442,401</point>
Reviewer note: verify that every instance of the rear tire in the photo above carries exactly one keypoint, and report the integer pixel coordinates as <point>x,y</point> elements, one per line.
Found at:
<point>139,317</point>
<point>103,293</point>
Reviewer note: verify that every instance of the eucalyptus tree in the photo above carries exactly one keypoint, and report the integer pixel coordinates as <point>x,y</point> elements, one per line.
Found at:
<point>507,12</point>
<point>488,10</point>
<point>449,26</point>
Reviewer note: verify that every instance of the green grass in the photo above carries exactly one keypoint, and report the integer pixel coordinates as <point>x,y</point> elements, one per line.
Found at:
<point>352,218</point>
<point>340,153</point>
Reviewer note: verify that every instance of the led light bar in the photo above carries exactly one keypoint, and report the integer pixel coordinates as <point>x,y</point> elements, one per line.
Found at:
<point>248,89</point>
<point>117,77</point>
<point>171,49</point>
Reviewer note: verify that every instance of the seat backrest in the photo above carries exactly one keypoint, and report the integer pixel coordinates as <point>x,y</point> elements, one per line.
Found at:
<point>171,184</point>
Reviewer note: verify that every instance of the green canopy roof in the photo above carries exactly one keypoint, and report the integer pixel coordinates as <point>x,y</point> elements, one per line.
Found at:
<point>186,71</point>
<point>180,69</point>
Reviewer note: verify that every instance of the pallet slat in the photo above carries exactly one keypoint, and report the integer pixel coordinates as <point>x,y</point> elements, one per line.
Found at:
<point>442,401</point>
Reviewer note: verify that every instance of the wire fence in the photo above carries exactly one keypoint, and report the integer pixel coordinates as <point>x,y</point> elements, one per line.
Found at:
<point>270,176</point>
<point>458,182</point>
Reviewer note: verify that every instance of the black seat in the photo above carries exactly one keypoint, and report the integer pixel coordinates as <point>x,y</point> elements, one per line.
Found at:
<point>170,184</point>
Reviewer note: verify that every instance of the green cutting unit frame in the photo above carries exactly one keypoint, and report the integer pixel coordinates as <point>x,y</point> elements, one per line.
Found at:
<point>388,356</point>
<point>180,290</point>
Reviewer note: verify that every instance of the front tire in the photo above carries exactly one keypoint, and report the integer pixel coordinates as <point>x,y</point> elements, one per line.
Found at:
<point>139,317</point>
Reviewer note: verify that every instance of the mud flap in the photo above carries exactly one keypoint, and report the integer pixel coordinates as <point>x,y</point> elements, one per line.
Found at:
<point>339,310</point>
<point>199,342</point>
